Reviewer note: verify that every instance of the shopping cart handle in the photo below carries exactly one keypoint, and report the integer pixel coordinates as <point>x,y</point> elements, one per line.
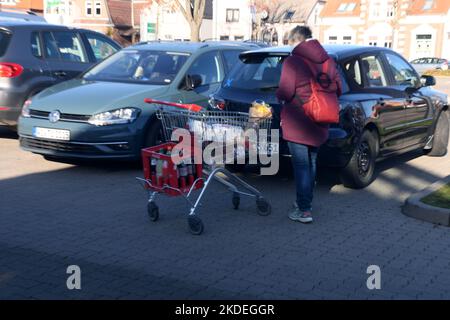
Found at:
<point>190,107</point>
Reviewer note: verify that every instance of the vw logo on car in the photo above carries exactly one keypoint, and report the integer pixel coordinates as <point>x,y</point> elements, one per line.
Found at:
<point>54,116</point>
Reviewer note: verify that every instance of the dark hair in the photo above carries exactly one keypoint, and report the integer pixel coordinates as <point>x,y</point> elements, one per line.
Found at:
<point>300,31</point>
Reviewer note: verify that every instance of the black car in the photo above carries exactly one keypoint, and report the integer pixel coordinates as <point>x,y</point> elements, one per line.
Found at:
<point>386,108</point>
<point>35,55</point>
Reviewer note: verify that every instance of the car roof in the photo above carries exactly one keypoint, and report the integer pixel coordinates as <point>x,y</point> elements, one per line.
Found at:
<point>37,26</point>
<point>336,50</point>
<point>18,23</point>
<point>191,47</point>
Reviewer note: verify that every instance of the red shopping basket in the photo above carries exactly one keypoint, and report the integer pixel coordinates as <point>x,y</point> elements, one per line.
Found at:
<point>164,176</point>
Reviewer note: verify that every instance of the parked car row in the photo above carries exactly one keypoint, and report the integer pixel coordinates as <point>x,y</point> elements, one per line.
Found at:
<point>36,55</point>
<point>425,64</point>
<point>386,107</point>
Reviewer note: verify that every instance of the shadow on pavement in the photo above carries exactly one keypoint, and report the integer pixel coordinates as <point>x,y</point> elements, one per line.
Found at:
<point>7,133</point>
<point>95,216</point>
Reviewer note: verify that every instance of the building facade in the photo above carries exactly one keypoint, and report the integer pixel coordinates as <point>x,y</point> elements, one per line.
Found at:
<point>223,20</point>
<point>232,20</point>
<point>415,29</point>
<point>118,18</point>
<point>36,6</point>
<point>274,19</point>
<point>88,14</point>
<point>164,21</point>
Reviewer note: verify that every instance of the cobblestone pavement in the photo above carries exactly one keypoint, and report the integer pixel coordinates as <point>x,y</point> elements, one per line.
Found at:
<point>53,215</point>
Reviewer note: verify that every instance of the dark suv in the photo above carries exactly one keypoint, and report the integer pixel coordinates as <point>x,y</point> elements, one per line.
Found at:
<point>386,108</point>
<point>34,56</point>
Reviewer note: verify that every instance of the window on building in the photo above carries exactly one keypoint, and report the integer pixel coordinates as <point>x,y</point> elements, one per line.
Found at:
<point>388,44</point>
<point>347,39</point>
<point>424,45</point>
<point>372,70</point>
<point>239,38</point>
<point>342,7</point>
<point>428,4</point>
<point>89,8</point>
<point>373,43</point>
<point>98,8</point>
<point>423,37</point>
<point>316,16</point>
<point>224,37</point>
<point>289,14</point>
<point>347,7</point>
<point>232,15</point>
<point>391,7</point>
<point>351,6</point>
<point>375,9</point>
<point>332,39</point>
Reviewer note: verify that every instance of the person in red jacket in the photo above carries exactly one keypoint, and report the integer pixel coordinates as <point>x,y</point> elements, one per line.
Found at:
<point>304,136</point>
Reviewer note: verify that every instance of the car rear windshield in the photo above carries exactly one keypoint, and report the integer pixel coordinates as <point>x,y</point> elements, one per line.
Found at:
<point>262,74</point>
<point>4,41</point>
<point>139,66</point>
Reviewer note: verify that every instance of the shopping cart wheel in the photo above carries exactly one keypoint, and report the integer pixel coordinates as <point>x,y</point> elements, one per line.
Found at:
<point>153,211</point>
<point>264,208</point>
<point>195,225</point>
<point>236,200</point>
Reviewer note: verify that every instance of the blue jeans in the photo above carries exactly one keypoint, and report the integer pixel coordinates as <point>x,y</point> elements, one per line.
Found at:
<point>304,161</point>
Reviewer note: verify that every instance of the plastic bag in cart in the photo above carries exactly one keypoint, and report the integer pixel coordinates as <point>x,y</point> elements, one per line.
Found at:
<point>216,132</point>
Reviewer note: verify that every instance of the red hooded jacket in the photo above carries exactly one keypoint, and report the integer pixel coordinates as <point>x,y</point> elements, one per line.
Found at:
<point>295,80</point>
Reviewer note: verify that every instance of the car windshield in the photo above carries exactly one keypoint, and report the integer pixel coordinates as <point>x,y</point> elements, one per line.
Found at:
<point>263,74</point>
<point>139,66</point>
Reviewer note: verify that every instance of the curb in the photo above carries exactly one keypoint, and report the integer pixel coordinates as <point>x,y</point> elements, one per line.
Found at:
<point>415,208</point>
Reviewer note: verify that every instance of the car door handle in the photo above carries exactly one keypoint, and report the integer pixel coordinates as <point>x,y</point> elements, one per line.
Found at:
<point>60,74</point>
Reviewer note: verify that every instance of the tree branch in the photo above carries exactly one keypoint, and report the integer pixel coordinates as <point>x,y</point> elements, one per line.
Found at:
<point>201,11</point>
<point>186,13</point>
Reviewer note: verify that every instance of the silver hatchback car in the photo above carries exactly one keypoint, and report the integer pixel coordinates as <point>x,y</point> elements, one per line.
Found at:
<point>424,64</point>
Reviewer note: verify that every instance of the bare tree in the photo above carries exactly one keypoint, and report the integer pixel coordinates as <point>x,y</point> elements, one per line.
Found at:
<point>270,6</point>
<point>193,11</point>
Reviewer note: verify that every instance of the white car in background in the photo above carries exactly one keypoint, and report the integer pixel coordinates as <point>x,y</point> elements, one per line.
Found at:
<point>424,64</point>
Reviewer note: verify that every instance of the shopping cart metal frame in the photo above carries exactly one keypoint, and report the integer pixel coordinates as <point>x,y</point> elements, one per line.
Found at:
<point>179,117</point>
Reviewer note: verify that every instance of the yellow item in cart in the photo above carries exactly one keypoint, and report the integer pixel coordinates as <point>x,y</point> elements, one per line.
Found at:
<point>260,109</point>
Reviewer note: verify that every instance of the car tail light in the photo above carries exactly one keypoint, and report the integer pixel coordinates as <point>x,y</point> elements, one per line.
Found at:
<point>10,70</point>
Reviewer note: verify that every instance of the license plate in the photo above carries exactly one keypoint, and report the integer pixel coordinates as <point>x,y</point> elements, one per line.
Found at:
<point>54,134</point>
<point>268,148</point>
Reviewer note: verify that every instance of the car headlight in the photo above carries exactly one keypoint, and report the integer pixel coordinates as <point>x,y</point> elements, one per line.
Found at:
<point>118,116</point>
<point>26,109</point>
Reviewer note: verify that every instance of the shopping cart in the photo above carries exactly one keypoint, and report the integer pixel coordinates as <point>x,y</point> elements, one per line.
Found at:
<point>163,176</point>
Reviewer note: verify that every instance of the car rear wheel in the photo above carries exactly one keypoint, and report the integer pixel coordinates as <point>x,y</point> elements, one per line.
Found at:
<point>359,172</point>
<point>441,136</point>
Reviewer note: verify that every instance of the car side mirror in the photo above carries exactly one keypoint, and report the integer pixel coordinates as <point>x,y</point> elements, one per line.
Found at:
<point>427,81</point>
<point>193,81</point>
